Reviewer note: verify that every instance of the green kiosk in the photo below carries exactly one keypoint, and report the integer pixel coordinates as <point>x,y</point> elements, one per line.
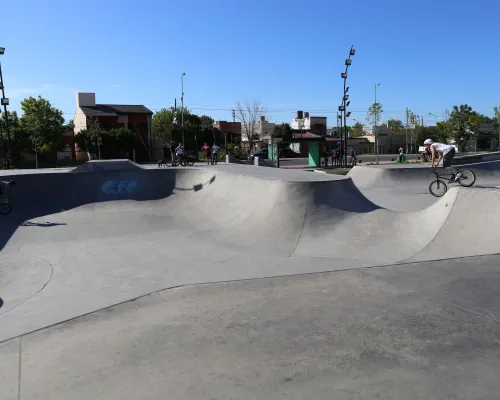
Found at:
<point>313,145</point>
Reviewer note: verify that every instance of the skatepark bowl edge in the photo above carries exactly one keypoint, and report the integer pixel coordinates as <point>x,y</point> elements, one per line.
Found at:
<point>246,282</point>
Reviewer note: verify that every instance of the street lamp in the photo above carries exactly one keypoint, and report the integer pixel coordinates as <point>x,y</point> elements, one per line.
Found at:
<point>5,103</point>
<point>435,116</point>
<point>345,103</point>
<point>182,111</point>
<point>375,120</point>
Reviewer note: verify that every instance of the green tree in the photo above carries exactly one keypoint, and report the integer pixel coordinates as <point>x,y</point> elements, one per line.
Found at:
<point>464,124</point>
<point>43,124</point>
<point>496,122</point>
<point>374,113</point>
<point>357,130</point>
<point>443,131</point>
<point>282,131</point>
<point>90,140</point>
<point>395,125</point>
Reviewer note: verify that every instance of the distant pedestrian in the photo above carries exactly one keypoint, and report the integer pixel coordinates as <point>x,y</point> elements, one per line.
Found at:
<point>207,149</point>
<point>215,153</point>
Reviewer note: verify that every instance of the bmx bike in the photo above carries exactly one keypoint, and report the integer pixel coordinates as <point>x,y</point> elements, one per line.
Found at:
<point>184,161</point>
<point>438,187</point>
<point>5,207</point>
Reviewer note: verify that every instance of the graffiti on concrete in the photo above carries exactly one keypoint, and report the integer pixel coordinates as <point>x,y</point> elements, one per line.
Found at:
<point>120,187</point>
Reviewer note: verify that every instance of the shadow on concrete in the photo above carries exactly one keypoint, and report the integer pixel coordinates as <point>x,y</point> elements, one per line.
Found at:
<point>198,186</point>
<point>38,195</point>
<point>1,302</point>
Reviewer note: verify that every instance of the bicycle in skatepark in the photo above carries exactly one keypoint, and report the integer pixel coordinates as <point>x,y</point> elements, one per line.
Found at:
<point>438,188</point>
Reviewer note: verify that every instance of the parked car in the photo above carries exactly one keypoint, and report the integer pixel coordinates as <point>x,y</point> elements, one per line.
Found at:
<point>262,153</point>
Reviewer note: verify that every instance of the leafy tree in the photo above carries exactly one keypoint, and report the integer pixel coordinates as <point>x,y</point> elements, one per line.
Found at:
<point>90,140</point>
<point>282,131</point>
<point>395,125</point>
<point>443,131</point>
<point>357,130</point>
<point>43,124</point>
<point>464,123</point>
<point>163,125</point>
<point>496,121</point>
<point>374,113</point>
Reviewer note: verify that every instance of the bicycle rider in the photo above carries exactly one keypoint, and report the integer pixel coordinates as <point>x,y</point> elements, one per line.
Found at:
<point>6,188</point>
<point>179,151</point>
<point>446,152</point>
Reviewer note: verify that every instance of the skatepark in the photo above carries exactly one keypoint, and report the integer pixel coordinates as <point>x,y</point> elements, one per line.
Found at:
<point>243,282</point>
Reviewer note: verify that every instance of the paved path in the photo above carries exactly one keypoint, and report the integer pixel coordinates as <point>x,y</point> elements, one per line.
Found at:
<point>249,283</point>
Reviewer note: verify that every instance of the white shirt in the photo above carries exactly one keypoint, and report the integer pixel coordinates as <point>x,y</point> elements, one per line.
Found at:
<point>442,148</point>
<point>215,149</point>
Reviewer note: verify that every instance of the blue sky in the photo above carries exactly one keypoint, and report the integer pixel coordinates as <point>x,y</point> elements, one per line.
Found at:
<point>427,55</point>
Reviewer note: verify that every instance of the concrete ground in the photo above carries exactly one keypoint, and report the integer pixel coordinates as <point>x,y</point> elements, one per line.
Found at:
<point>241,282</point>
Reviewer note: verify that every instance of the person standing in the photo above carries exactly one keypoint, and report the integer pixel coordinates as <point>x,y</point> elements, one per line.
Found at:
<point>206,148</point>
<point>215,153</point>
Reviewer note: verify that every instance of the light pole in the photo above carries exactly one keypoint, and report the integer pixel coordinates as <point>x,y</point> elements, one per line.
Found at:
<point>345,101</point>
<point>5,103</point>
<point>435,116</point>
<point>376,121</point>
<point>182,111</point>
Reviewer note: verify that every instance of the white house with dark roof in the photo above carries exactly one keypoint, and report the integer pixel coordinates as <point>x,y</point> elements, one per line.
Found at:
<point>114,116</point>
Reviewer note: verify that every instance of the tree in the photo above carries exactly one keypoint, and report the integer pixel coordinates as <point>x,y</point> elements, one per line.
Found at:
<point>357,130</point>
<point>374,113</point>
<point>283,131</point>
<point>90,140</point>
<point>163,126</point>
<point>249,115</point>
<point>395,125</point>
<point>43,123</point>
<point>443,131</point>
<point>496,122</point>
<point>464,123</point>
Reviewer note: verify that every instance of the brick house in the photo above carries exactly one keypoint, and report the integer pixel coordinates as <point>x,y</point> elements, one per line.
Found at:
<point>113,116</point>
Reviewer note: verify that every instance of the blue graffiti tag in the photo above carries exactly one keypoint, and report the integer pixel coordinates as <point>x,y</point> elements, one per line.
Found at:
<point>120,187</point>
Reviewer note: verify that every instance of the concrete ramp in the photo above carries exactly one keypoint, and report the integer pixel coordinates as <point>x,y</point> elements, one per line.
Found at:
<point>472,228</point>
<point>108,165</point>
<point>404,178</point>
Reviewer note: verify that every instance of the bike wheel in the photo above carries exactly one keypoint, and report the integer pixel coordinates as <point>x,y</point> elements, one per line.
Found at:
<point>190,161</point>
<point>438,188</point>
<point>467,178</point>
<point>5,208</point>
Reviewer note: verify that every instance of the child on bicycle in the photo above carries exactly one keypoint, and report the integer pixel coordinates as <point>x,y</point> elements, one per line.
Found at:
<point>6,188</point>
<point>445,152</point>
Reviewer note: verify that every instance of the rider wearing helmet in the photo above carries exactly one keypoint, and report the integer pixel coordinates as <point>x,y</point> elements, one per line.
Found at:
<point>446,152</point>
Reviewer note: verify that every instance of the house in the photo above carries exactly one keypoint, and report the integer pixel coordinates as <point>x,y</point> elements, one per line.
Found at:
<point>114,116</point>
<point>262,130</point>
<point>304,122</point>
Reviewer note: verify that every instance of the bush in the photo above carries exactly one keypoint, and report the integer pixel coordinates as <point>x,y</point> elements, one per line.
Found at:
<point>202,156</point>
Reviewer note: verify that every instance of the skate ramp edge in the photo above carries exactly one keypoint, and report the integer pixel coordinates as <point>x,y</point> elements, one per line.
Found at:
<point>374,234</point>
<point>108,165</point>
<point>470,230</point>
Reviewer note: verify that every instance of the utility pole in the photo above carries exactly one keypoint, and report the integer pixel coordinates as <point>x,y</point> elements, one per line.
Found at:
<point>5,101</point>
<point>182,111</point>
<point>234,116</point>
<point>376,121</point>
<point>406,126</point>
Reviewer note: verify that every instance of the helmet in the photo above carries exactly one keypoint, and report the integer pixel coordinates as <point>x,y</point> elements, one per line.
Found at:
<point>428,141</point>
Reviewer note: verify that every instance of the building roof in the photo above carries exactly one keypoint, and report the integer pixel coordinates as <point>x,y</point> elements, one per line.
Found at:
<point>305,135</point>
<point>113,110</point>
